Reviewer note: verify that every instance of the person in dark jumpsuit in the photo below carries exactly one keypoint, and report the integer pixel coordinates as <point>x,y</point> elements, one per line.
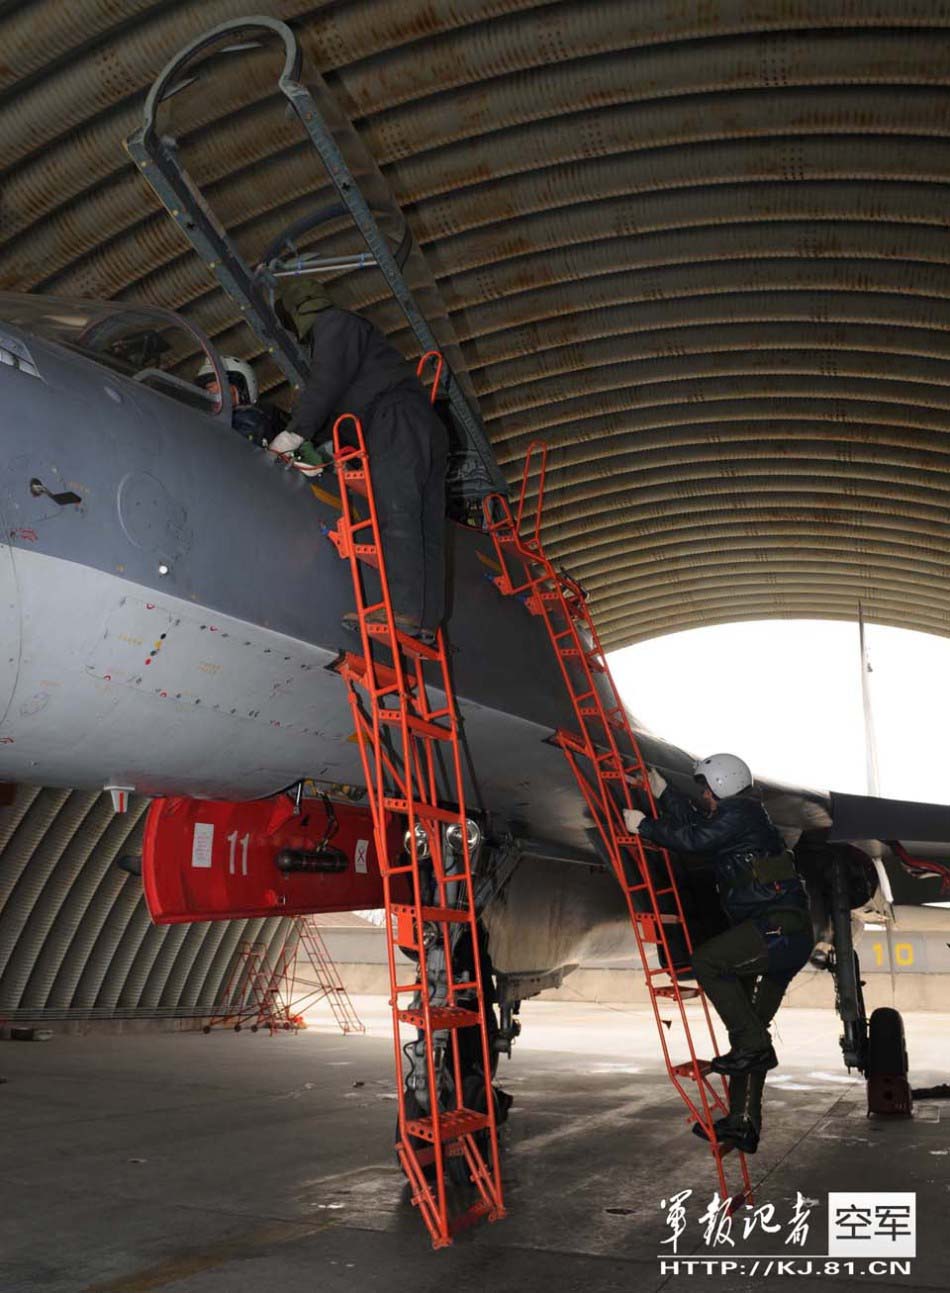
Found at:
<point>745,971</point>
<point>355,370</point>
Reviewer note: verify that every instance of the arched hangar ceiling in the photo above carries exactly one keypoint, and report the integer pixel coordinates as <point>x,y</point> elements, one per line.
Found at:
<point>701,248</point>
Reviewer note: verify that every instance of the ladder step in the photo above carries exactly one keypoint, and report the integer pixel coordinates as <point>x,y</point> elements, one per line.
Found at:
<point>686,1070</point>
<point>367,553</point>
<point>407,643</point>
<point>452,1124</point>
<point>417,725</point>
<point>427,812</point>
<point>354,668</point>
<point>462,986</point>
<point>441,1017</point>
<point>434,913</point>
<point>664,917</point>
<point>592,658</point>
<point>355,481</point>
<point>674,992</point>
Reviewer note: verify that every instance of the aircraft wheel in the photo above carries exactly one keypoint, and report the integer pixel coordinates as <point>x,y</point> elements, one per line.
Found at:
<point>888,1087</point>
<point>887,1050</point>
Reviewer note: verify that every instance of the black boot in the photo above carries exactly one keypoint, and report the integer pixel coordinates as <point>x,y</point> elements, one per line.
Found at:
<point>737,1062</point>
<point>737,1128</point>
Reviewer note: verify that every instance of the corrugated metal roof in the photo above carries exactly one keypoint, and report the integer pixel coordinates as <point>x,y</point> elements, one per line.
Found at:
<point>701,248</point>
<point>76,939</point>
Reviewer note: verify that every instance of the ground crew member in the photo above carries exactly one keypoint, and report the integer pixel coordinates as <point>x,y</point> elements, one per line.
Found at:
<point>355,370</point>
<point>746,970</point>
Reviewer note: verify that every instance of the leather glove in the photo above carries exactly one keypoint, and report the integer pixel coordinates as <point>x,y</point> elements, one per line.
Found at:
<point>657,782</point>
<point>632,817</point>
<point>285,443</point>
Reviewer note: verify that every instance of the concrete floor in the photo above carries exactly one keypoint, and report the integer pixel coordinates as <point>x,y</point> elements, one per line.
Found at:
<point>193,1164</point>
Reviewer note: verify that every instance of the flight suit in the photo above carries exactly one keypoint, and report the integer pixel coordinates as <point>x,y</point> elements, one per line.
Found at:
<point>746,970</point>
<point>355,370</point>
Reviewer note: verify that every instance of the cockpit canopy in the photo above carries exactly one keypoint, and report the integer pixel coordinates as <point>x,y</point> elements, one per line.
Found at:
<point>150,345</point>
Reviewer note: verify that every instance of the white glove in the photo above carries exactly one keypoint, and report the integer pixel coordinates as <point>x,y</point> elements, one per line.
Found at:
<point>657,782</point>
<point>285,443</point>
<point>632,817</point>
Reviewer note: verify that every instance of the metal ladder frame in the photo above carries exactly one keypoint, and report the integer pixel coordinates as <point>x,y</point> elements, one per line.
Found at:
<point>405,742</point>
<point>329,984</point>
<point>604,755</point>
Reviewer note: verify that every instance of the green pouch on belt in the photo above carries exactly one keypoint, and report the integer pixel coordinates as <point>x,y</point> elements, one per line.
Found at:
<point>779,867</point>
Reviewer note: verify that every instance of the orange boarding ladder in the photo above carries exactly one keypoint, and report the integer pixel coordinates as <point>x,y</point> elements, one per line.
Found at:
<point>605,757</point>
<point>329,979</point>
<point>238,1003</point>
<point>404,740</point>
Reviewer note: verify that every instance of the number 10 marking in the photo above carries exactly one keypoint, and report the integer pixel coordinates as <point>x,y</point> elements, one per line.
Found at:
<point>233,841</point>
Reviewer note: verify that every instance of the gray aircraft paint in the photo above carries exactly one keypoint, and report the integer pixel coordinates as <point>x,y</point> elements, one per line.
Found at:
<point>213,679</point>
<point>250,571</point>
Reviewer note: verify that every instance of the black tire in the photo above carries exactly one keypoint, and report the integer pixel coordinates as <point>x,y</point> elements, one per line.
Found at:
<point>206,1029</point>
<point>253,1028</point>
<point>887,1049</point>
<point>237,1028</point>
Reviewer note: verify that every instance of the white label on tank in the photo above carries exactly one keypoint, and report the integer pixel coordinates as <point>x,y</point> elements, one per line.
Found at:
<point>202,843</point>
<point>360,857</point>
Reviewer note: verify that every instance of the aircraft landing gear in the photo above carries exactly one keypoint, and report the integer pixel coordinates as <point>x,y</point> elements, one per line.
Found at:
<point>877,1050</point>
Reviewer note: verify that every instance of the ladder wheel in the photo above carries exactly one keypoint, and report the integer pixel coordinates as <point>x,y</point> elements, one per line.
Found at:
<point>253,1028</point>
<point>206,1029</point>
<point>237,1028</point>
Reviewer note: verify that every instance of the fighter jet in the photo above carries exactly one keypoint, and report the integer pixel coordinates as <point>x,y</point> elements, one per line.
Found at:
<point>172,610</point>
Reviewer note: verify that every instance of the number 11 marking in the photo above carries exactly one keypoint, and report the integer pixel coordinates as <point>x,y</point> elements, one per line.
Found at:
<point>233,841</point>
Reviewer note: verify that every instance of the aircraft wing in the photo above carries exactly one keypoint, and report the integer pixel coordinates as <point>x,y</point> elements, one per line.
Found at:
<point>863,817</point>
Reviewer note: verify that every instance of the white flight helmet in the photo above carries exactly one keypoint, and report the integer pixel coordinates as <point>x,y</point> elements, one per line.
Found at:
<point>240,374</point>
<point>724,774</point>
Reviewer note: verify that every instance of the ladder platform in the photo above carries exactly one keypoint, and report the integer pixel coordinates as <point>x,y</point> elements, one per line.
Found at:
<point>417,725</point>
<point>441,1017</point>
<point>452,1125</point>
<point>427,812</point>
<point>670,991</point>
